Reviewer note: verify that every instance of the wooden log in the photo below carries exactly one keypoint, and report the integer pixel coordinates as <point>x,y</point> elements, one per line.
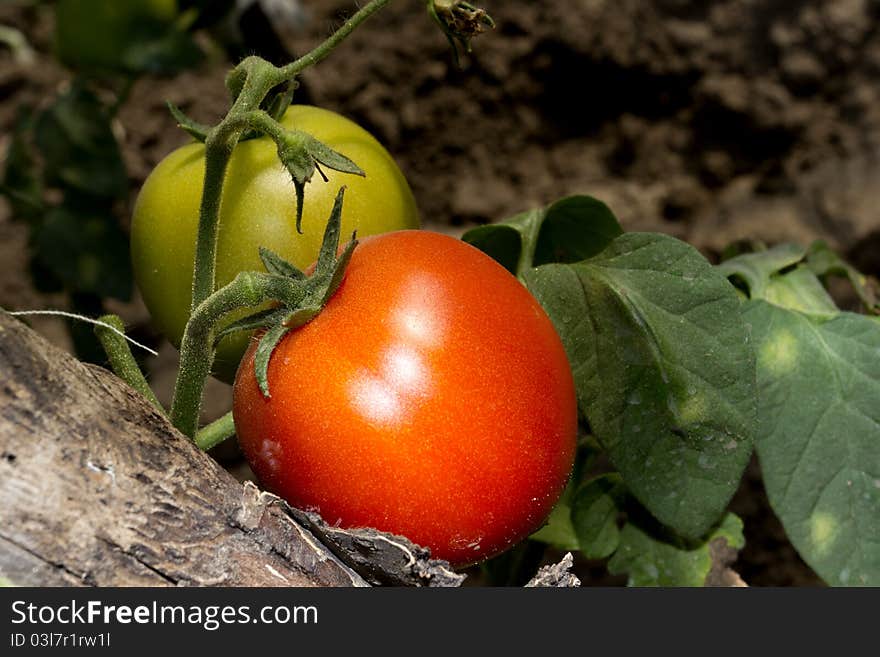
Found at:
<point>97,488</point>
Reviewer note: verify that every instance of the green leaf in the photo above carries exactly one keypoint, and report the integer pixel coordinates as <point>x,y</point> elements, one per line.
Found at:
<point>22,182</point>
<point>801,290</point>
<point>594,511</point>
<point>575,228</point>
<point>791,276</point>
<point>819,436</point>
<point>500,241</point>
<point>196,130</point>
<point>755,269</point>
<point>824,262</point>
<point>78,146</point>
<point>123,37</point>
<point>652,561</point>
<point>86,249</point>
<point>159,49</point>
<point>569,230</point>
<point>663,368</point>
<point>559,530</point>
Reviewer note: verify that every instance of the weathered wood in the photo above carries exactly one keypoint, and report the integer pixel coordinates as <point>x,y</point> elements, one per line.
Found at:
<point>97,488</point>
<point>557,575</point>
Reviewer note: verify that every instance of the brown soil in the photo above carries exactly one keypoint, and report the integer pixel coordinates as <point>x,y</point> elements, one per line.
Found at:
<point>712,121</point>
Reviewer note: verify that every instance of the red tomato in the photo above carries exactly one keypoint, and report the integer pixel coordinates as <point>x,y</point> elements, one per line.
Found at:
<point>431,398</point>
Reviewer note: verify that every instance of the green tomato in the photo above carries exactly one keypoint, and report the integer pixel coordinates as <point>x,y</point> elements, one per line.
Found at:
<point>98,34</point>
<point>258,208</point>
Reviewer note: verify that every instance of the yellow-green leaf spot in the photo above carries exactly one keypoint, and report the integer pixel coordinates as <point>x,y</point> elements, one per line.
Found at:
<point>692,409</point>
<point>823,531</point>
<point>779,353</point>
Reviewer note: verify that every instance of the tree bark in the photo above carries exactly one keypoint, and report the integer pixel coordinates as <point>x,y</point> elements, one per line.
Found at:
<point>97,488</point>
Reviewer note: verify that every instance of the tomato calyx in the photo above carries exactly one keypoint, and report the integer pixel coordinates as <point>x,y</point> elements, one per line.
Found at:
<point>278,102</point>
<point>302,154</point>
<point>460,21</point>
<point>309,293</point>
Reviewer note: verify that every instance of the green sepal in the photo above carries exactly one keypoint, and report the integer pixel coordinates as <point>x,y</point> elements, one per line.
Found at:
<point>331,159</point>
<point>301,153</point>
<point>279,322</point>
<point>339,270</point>
<point>279,103</point>
<point>300,189</point>
<point>301,316</point>
<point>258,320</point>
<point>330,243</point>
<point>265,349</point>
<point>197,130</point>
<point>275,264</point>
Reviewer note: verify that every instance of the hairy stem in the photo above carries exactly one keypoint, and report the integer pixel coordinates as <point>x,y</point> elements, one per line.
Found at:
<point>216,432</point>
<point>121,359</point>
<point>294,68</point>
<point>217,159</point>
<point>260,120</point>
<point>219,146</point>
<point>197,347</point>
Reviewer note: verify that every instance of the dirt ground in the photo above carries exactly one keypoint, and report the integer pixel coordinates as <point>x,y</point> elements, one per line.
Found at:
<point>712,121</point>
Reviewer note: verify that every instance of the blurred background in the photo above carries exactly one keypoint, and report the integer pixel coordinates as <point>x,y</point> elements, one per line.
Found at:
<point>719,122</point>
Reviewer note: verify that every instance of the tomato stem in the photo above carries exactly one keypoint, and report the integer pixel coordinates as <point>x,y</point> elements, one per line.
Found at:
<point>217,158</point>
<point>121,359</point>
<point>197,348</point>
<point>310,59</point>
<point>216,432</point>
